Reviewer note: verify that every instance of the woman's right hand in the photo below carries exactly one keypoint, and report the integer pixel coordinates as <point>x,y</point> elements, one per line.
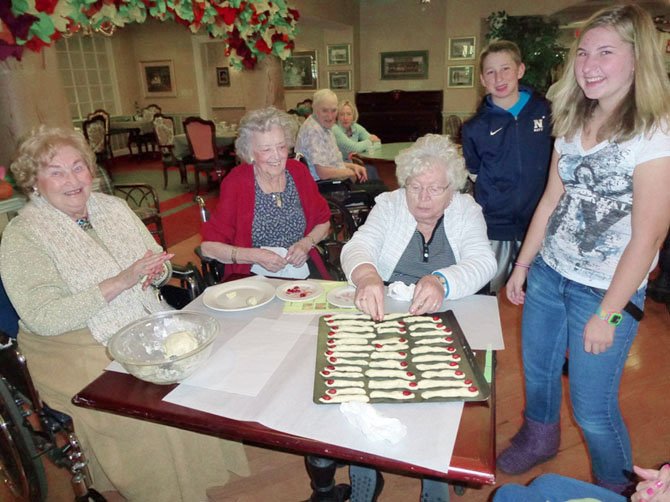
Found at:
<point>514,287</point>
<point>370,294</point>
<point>269,260</point>
<point>146,269</point>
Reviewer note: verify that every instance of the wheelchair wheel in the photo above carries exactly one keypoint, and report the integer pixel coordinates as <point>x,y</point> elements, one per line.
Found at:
<point>20,465</point>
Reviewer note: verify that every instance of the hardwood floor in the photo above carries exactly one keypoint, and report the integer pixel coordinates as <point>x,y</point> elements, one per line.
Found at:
<point>281,477</point>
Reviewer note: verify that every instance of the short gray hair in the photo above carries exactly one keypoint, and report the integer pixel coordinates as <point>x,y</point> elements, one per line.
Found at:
<point>429,151</point>
<point>323,95</point>
<point>263,120</point>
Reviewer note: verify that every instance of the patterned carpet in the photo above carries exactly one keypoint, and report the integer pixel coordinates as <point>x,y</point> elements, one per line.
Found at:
<point>181,215</point>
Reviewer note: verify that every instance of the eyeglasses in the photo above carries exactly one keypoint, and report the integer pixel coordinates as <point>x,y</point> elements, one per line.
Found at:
<point>433,191</point>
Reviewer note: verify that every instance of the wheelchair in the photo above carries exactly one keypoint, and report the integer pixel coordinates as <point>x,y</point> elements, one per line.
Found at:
<point>31,431</point>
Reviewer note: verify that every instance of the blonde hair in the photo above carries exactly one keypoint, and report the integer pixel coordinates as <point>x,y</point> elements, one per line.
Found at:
<point>348,103</point>
<point>39,146</point>
<point>644,107</point>
<point>500,46</point>
<point>430,151</point>
<point>263,120</point>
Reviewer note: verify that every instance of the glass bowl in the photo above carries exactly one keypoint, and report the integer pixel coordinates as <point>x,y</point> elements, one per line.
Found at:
<point>146,349</point>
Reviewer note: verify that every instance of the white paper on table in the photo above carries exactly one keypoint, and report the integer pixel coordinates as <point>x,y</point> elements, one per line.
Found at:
<point>285,404</point>
<point>289,271</point>
<point>246,362</point>
<point>479,318</point>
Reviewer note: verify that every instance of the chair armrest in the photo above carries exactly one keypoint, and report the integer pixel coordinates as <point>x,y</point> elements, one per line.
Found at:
<point>139,194</point>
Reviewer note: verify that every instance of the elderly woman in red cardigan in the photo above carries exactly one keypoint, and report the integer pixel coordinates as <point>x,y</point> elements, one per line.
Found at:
<point>268,201</point>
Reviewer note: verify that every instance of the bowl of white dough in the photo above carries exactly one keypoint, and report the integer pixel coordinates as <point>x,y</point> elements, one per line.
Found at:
<point>165,347</point>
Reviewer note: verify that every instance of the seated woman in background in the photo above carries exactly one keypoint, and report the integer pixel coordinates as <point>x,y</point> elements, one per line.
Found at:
<point>268,201</point>
<point>351,137</point>
<point>654,486</point>
<point>77,267</point>
<point>317,143</point>
<point>425,233</point>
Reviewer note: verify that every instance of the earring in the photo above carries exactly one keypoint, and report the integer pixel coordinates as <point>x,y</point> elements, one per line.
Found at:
<point>36,192</point>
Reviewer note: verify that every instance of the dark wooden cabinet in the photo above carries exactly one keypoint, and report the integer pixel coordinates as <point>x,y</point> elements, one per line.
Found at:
<point>397,116</point>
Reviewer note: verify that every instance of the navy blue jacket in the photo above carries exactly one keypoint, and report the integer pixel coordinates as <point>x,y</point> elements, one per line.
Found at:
<point>510,157</point>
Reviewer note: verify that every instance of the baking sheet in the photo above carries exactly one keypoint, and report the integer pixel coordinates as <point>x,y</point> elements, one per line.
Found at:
<point>345,373</point>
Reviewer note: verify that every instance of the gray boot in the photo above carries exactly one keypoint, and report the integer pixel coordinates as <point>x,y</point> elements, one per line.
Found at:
<point>533,444</point>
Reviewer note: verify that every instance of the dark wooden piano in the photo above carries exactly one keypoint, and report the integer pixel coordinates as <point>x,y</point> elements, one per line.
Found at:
<point>397,116</point>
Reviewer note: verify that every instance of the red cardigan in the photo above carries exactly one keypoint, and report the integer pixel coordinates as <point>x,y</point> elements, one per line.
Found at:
<point>231,221</point>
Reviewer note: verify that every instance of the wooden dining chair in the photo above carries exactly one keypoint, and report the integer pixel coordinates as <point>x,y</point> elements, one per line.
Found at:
<point>146,140</point>
<point>201,137</point>
<point>96,136</point>
<point>164,131</point>
<point>108,144</point>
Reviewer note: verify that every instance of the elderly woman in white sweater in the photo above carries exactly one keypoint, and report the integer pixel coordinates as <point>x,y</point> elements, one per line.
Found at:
<point>425,233</point>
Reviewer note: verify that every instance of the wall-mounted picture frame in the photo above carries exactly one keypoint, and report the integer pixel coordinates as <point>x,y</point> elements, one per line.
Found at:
<point>339,80</point>
<point>461,76</point>
<point>462,48</point>
<point>406,65</point>
<point>339,54</point>
<point>222,76</point>
<point>300,71</point>
<point>158,78</point>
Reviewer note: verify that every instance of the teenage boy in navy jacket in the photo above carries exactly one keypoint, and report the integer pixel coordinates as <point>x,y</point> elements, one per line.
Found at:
<point>507,145</point>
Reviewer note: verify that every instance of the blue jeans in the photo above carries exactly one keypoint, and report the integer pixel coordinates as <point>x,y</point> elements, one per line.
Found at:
<point>554,488</point>
<point>555,312</point>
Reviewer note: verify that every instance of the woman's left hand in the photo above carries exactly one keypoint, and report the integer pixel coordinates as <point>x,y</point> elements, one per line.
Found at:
<point>428,295</point>
<point>655,485</point>
<point>598,335</point>
<point>298,253</point>
<point>360,171</point>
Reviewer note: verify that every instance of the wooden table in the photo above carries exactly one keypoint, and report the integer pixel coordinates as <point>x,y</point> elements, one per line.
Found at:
<point>383,159</point>
<point>472,462</point>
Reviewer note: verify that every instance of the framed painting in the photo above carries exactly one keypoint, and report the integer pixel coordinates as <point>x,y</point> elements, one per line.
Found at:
<point>461,76</point>
<point>405,65</point>
<point>299,71</point>
<point>339,80</point>
<point>339,54</point>
<point>158,78</point>
<point>462,48</point>
<point>222,76</point>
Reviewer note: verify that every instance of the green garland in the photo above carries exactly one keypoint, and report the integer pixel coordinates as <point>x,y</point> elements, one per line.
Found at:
<point>251,29</point>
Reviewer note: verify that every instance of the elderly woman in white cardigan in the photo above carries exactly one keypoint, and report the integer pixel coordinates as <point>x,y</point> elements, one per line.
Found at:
<point>425,233</point>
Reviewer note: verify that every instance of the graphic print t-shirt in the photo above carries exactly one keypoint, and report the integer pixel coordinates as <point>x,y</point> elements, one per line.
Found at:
<point>591,226</point>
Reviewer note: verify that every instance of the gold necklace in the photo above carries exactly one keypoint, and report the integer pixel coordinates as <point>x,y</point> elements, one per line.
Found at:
<point>275,194</point>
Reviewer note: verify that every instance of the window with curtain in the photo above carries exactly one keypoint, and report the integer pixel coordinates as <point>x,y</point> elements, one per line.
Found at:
<point>85,65</point>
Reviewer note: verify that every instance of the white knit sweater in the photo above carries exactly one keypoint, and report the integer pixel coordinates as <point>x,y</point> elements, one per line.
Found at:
<point>52,269</point>
<point>389,227</point>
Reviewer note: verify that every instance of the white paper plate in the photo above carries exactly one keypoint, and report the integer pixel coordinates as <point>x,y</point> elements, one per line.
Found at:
<point>299,291</point>
<point>234,296</point>
<point>342,297</point>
